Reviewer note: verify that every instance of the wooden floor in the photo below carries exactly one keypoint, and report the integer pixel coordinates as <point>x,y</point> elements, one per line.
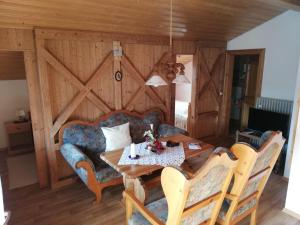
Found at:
<point>72,205</point>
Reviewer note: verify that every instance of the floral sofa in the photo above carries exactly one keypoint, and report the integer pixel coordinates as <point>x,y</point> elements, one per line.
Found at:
<point>82,142</point>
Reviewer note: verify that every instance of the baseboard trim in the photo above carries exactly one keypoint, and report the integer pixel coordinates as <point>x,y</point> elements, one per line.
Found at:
<point>291,213</point>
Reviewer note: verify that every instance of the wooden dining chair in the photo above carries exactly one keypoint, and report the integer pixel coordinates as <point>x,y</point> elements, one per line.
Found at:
<point>188,200</point>
<point>250,177</point>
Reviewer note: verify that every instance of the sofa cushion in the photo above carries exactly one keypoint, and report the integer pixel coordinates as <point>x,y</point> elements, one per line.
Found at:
<point>107,174</point>
<point>91,138</point>
<point>165,130</point>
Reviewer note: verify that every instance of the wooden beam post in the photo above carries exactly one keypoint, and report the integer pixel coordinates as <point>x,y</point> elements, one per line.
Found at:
<point>36,117</point>
<point>47,111</point>
<point>117,49</point>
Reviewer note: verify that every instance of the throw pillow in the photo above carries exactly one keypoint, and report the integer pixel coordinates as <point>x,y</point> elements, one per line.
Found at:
<point>117,137</point>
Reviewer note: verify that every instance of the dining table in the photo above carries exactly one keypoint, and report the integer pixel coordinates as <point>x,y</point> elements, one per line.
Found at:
<point>133,174</point>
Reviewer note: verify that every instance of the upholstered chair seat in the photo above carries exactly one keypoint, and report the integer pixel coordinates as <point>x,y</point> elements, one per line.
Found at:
<point>236,214</point>
<point>159,208</point>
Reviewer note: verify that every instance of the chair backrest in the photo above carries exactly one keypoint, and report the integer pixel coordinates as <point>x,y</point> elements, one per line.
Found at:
<point>267,156</point>
<point>252,173</point>
<point>198,200</point>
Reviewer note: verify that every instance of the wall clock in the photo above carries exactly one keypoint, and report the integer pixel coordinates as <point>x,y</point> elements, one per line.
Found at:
<point>118,75</point>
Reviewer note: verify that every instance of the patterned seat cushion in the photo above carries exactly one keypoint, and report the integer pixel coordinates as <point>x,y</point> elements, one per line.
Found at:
<point>240,211</point>
<point>159,208</point>
<point>107,174</point>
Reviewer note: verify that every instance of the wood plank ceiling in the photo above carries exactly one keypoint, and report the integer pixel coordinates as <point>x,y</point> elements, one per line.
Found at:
<point>213,20</point>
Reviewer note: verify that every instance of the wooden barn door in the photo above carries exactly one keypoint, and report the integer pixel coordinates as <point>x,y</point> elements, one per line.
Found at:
<point>208,121</point>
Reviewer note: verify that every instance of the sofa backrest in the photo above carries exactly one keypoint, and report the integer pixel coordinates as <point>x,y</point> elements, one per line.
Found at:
<point>89,136</point>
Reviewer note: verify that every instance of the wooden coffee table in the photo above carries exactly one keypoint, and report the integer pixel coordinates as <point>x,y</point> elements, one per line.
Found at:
<point>132,173</point>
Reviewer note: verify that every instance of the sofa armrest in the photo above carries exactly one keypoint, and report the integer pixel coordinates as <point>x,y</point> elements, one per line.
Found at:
<point>165,130</point>
<point>80,162</point>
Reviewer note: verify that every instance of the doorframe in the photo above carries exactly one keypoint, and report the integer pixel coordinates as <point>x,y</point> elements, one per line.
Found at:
<point>229,66</point>
<point>22,40</point>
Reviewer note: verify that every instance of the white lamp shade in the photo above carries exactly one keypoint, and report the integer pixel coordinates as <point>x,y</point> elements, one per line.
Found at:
<point>156,81</point>
<point>181,79</point>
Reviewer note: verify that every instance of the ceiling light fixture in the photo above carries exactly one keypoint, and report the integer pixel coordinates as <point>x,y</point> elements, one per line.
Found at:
<point>174,70</point>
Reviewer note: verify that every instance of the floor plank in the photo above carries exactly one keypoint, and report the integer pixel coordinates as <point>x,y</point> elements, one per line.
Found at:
<point>72,205</point>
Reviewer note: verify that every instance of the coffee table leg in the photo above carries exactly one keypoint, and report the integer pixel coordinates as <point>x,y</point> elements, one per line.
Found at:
<point>135,185</point>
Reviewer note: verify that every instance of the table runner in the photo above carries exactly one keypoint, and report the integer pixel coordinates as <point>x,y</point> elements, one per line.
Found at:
<point>169,157</point>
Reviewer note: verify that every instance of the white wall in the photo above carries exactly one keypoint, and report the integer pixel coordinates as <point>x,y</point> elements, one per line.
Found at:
<point>184,91</point>
<point>13,96</point>
<point>293,194</point>
<point>281,39</point>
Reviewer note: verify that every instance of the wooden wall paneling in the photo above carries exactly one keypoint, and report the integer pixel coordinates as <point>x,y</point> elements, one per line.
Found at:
<point>211,44</point>
<point>128,65</point>
<point>77,78</point>
<point>140,91</point>
<point>36,117</point>
<point>184,47</point>
<point>85,89</point>
<point>100,37</point>
<point>16,39</point>
<point>143,59</point>
<point>47,112</point>
<point>117,84</point>
<point>105,85</point>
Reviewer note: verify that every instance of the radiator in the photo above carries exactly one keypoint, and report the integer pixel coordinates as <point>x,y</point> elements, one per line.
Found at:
<point>274,105</point>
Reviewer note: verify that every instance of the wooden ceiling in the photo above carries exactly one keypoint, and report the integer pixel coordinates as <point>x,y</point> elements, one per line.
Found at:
<point>213,20</point>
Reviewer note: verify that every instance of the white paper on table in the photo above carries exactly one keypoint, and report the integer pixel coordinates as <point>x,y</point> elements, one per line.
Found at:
<point>194,146</point>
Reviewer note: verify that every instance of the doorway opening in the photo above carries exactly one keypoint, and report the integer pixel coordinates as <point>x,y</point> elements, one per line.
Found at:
<point>183,94</point>
<point>246,68</point>
<point>16,135</point>
<point>243,89</point>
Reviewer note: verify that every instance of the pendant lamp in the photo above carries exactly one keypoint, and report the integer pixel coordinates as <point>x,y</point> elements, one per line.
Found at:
<point>171,67</point>
<point>156,81</point>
